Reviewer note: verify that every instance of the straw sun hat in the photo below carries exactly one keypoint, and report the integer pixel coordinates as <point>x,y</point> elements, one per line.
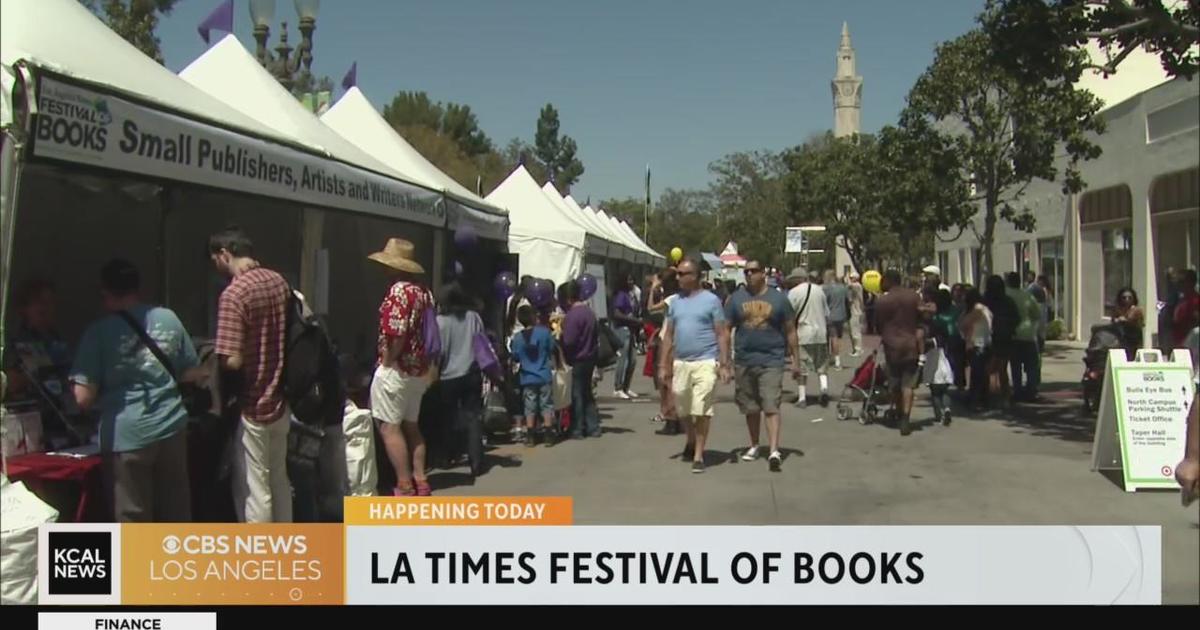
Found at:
<point>398,254</point>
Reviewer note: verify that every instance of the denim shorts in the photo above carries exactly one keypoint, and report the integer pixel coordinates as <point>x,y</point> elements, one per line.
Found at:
<point>538,399</point>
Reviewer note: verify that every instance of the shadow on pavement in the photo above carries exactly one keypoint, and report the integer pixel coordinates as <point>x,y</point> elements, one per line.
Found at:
<point>1057,413</point>
<point>604,429</point>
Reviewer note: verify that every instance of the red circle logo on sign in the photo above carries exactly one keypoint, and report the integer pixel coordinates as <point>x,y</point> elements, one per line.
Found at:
<point>1166,471</point>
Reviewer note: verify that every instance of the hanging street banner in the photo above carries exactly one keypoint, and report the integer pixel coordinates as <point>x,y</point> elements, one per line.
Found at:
<point>83,126</point>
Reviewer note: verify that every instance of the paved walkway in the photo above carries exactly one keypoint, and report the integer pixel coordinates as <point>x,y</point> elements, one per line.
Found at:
<point>1028,468</point>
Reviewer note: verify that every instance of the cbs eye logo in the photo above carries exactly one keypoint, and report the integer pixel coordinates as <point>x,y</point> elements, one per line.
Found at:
<point>171,545</point>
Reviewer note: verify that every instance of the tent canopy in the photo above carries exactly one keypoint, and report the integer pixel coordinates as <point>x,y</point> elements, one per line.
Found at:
<point>617,247</point>
<point>598,242</point>
<point>62,36</point>
<point>230,73</point>
<point>354,118</point>
<point>531,213</point>
<point>548,243</point>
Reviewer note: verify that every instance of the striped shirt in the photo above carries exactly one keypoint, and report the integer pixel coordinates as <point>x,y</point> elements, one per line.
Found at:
<point>252,322</point>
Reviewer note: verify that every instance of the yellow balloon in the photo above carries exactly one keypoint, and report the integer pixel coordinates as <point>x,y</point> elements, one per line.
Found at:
<point>871,281</point>
<point>676,254</point>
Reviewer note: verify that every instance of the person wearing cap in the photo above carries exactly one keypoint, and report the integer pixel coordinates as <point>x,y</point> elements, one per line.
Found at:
<point>854,291</point>
<point>403,372</point>
<point>251,332</point>
<point>812,311</point>
<point>933,278</point>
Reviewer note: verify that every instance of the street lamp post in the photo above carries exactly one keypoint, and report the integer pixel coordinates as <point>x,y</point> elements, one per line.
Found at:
<point>283,64</point>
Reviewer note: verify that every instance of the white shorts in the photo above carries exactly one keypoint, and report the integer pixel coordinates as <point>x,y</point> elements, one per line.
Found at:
<point>695,387</point>
<point>396,396</point>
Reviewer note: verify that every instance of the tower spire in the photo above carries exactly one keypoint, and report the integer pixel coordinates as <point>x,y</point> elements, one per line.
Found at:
<point>847,89</point>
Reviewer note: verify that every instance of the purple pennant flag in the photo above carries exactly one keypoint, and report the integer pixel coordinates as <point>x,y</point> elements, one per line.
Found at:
<point>221,19</point>
<point>351,78</point>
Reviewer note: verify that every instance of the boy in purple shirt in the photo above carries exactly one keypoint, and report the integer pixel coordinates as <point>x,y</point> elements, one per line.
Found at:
<point>579,348</point>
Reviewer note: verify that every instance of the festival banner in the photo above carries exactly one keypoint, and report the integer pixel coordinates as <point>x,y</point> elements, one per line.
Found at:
<point>84,126</point>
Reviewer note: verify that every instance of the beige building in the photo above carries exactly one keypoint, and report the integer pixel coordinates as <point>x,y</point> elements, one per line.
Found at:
<point>1139,214</point>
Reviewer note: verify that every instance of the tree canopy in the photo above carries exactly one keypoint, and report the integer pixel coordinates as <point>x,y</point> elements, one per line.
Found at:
<point>557,154</point>
<point>1005,130</point>
<point>1038,39</point>
<point>134,20</point>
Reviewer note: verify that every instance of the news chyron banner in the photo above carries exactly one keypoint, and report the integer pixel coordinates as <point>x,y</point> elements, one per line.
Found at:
<point>526,550</point>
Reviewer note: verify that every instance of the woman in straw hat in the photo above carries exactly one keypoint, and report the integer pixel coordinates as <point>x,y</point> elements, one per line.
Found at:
<point>407,334</point>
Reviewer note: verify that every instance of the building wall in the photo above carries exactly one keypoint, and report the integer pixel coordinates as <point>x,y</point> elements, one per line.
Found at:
<point>1127,159</point>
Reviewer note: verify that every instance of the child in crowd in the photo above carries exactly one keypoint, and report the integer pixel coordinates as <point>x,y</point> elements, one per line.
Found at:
<point>533,348</point>
<point>938,373</point>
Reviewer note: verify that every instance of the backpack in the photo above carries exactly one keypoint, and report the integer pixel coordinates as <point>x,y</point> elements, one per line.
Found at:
<point>311,371</point>
<point>607,346</point>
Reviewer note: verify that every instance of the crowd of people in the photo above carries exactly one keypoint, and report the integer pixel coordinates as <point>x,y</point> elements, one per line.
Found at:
<point>438,365</point>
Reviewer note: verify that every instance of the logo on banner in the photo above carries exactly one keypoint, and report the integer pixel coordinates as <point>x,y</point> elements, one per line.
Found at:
<point>73,118</point>
<point>81,563</point>
<point>203,564</point>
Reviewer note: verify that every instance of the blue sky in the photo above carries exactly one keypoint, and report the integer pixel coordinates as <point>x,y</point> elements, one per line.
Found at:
<point>675,84</point>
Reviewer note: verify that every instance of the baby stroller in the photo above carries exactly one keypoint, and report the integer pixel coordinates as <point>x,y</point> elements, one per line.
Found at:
<point>870,384</point>
<point>1105,337</point>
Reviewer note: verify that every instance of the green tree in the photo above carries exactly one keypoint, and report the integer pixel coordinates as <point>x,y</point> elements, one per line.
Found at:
<point>557,154</point>
<point>134,20</point>
<point>750,205</point>
<point>1006,132</point>
<point>1039,39</point>
<point>414,109</point>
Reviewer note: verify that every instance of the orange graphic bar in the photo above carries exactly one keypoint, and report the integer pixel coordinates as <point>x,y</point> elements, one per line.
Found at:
<point>458,511</point>
<point>182,564</point>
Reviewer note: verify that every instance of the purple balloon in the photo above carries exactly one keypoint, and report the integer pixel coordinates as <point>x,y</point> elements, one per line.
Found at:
<point>465,237</point>
<point>587,286</point>
<point>540,294</point>
<point>505,284</point>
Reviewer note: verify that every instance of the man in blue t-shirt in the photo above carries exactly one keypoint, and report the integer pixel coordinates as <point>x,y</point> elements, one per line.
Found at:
<point>142,419</point>
<point>765,327</point>
<point>695,352</point>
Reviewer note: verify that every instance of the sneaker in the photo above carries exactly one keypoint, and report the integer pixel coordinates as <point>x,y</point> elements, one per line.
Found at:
<point>824,399</point>
<point>802,402</point>
<point>549,436</point>
<point>775,461</point>
<point>946,419</point>
<point>751,454</point>
<point>689,452</point>
<point>697,467</point>
<point>632,394</point>
<point>905,427</point>
<point>620,394</point>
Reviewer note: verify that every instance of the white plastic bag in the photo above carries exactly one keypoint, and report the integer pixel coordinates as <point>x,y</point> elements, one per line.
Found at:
<point>21,512</point>
<point>561,390</point>
<point>360,451</point>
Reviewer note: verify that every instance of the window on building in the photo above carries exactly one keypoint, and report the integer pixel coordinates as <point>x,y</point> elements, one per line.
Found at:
<point>1052,264</point>
<point>963,270</point>
<point>1173,119</point>
<point>943,262</point>
<point>1117,246</point>
<point>975,264</point>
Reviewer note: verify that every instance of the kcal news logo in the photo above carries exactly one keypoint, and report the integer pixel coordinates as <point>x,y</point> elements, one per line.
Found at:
<point>79,564</point>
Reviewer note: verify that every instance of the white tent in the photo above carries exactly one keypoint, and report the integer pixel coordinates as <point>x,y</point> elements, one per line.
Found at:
<point>634,245</point>
<point>548,243</point>
<point>618,249</point>
<point>599,243</point>
<point>659,259</point>
<point>354,118</point>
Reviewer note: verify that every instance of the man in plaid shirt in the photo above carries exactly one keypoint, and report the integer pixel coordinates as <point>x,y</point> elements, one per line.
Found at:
<point>251,332</point>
